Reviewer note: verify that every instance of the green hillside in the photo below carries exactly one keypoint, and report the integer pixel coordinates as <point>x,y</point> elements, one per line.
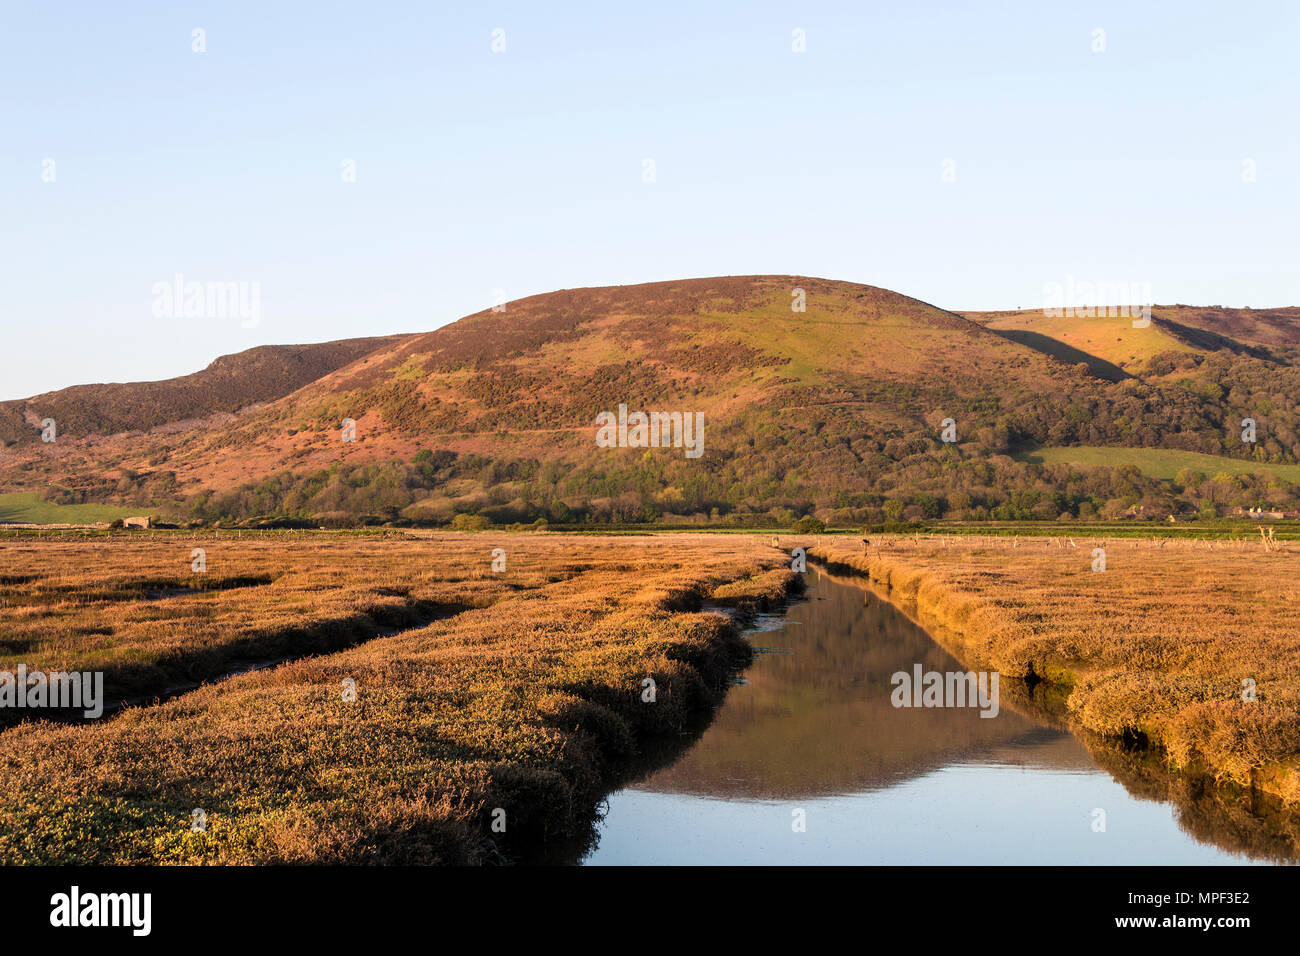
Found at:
<point>26,507</point>
<point>1162,463</point>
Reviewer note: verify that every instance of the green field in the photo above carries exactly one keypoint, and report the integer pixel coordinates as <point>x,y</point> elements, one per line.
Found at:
<point>27,507</point>
<point>1162,463</point>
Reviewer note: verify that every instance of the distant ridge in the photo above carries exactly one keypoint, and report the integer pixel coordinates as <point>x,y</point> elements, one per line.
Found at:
<point>230,383</point>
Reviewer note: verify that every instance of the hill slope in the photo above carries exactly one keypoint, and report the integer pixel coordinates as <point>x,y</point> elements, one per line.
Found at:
<point>230,383</point>
<point>837,409</point>
<point>1114,348</point>
<point>531,381</point>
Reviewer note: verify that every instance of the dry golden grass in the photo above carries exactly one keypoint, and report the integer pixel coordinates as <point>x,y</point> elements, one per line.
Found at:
<point>527,694</point>
<point>134,608</point>
<point>1157,646</point>
<point>528,703</point>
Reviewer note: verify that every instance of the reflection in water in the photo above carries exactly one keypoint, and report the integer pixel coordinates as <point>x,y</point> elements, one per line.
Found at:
<point>812,729</point>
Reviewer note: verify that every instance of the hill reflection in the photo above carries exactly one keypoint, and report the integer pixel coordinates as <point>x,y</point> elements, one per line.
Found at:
<point>817,721</point>
<point>814,719</point>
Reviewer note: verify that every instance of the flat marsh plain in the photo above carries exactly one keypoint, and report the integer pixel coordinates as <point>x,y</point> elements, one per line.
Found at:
<point>475,691</point>
<point>394,698</point>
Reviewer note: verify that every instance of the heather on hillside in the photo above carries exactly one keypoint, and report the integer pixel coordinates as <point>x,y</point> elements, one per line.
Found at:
<point>835,409</point>
<point>229,384</point>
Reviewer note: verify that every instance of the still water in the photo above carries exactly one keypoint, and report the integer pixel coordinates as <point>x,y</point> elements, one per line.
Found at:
<point>812,729</point>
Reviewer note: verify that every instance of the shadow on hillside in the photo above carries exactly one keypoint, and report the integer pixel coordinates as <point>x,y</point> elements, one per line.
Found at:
<point>1098,368</point>
<point>1211,341</point>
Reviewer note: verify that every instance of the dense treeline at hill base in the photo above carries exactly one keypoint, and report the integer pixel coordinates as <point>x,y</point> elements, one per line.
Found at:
<point>467,492</point>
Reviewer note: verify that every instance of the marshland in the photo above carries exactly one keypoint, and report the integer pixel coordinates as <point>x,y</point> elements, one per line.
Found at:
<point>483,698</point>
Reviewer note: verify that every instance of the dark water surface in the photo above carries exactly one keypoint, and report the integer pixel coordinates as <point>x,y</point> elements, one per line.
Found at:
<point>812,729</point>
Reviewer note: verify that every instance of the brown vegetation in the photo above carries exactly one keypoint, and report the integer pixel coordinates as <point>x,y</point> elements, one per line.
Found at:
<point>135,608</point>
<point>230,383</point>
<point>833,411</point>
<point>528,705</point>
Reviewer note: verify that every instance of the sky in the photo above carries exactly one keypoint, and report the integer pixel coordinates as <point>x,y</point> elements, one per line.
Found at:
<point>379,167</point>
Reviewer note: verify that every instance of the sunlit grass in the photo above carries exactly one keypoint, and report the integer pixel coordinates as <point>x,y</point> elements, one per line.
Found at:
<point>1163,463</point>
<point>525,704</point>
<point>26,507</point>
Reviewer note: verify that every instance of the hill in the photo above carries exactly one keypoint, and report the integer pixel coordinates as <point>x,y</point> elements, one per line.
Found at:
<point>229,384</point>
<point>1266,328</point>
<point>835,409</point>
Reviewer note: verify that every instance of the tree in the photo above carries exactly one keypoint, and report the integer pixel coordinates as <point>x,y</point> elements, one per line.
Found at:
<point>809,524</point>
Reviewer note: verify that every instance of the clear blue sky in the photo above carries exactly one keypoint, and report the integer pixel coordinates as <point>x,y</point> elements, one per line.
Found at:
<point>522,170</point>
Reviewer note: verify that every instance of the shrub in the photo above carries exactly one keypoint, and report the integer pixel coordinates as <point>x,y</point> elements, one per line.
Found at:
<point>464,522</point>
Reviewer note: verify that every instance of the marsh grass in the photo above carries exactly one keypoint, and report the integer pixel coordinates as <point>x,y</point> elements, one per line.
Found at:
<point>528,701</point>
<point>132,607</point>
